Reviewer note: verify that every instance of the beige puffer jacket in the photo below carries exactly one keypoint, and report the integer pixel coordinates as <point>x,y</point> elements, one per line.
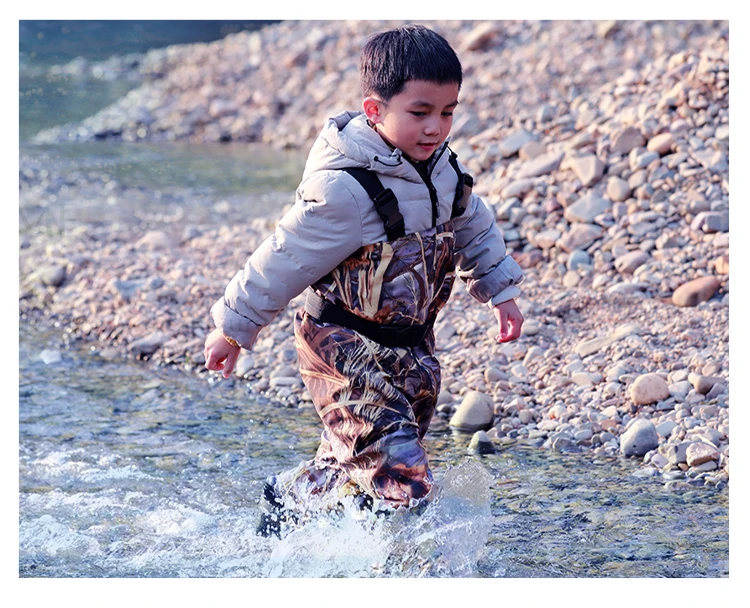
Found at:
<point>333,217</point>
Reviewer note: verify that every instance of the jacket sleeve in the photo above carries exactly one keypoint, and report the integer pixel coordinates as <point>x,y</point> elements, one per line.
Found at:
<point>481,260</point>
<point>322,229</point>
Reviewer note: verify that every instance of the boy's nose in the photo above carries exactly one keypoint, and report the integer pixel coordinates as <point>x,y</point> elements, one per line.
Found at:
<point>432,127</point>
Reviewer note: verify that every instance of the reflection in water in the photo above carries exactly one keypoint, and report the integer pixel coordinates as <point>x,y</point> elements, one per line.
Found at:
<point>129,471</point>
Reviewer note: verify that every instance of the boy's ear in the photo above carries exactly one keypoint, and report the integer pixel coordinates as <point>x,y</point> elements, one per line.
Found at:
<point>373,109</point>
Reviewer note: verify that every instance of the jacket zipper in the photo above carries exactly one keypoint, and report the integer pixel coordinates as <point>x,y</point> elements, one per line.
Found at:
<point>431,188</point>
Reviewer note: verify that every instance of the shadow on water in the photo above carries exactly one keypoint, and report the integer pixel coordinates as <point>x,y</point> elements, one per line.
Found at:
<point>131,471</point>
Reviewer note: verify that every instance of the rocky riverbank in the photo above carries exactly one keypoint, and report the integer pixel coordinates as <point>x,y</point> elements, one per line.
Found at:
<point>610,182</point>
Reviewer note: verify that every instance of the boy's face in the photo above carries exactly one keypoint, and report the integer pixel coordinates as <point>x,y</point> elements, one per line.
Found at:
<point>417,120</point>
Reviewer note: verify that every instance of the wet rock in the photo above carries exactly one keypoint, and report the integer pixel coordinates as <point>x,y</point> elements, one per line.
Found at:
<point>481,443</point>
<point>639,438</point>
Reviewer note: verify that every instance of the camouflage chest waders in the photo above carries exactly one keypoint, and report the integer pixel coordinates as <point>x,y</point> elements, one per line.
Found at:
<point>375,395</point>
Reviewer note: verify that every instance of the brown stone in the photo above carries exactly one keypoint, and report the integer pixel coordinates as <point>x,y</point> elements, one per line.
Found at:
<point>722,264</point>
<point>696,291</point>
<point>697,453</point>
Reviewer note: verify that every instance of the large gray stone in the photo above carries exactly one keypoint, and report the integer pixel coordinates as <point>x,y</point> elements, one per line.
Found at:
<point>641,437</point>
<point>475,413</point>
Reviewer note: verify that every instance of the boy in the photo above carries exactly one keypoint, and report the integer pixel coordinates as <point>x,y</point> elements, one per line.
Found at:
<point>379,257</point>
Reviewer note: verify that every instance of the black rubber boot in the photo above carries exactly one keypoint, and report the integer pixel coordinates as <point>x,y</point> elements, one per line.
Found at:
<point>275,513</point>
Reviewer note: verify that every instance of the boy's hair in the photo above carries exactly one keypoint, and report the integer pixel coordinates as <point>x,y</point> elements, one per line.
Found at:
<point>391,59</point>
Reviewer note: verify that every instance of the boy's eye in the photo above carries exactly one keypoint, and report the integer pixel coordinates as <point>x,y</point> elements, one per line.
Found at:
<point>416,113</point>
<point>447,113</point>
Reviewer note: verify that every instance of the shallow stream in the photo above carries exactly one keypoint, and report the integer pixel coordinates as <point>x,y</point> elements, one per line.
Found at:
<point>132,471</point>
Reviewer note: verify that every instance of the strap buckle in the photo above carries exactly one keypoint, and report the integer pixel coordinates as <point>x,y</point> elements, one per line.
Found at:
<point>386,205</point>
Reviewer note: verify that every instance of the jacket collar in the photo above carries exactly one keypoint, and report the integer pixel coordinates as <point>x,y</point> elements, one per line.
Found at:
<point>347,140</point>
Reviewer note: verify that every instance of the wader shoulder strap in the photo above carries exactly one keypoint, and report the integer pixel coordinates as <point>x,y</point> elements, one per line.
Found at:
<point>463,188</point>
<point>384,200</point>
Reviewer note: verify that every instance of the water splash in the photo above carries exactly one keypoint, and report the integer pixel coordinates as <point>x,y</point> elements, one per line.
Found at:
<point>446,539</point>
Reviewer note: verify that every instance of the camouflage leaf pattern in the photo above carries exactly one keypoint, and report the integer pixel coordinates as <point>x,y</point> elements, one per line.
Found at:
<point>375,402</point>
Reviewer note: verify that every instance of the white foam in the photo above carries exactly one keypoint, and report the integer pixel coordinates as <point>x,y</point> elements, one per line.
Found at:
<point>46,536</point>
<point>446,539</point>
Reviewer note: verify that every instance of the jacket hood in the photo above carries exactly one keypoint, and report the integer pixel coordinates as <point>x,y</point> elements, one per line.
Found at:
<point>347,140</point>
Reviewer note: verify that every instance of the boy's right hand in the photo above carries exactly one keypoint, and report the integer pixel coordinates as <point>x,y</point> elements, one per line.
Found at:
<point>220,354</point>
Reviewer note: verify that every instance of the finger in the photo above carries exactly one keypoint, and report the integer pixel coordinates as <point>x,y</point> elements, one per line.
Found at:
<point>503,326</point>
<point>515,329</point>
<point>214,363</point>
<point>515,324</point>
<point>230,362</point>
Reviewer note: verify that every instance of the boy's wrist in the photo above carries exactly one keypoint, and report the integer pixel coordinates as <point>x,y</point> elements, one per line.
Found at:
<point>231,341</point>
<point>509,293</point>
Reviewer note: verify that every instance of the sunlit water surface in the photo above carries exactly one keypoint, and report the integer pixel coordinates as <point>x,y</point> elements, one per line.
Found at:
<point>131,471</point>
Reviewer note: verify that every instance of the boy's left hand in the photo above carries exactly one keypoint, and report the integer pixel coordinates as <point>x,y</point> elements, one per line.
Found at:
<point>509,321</point>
